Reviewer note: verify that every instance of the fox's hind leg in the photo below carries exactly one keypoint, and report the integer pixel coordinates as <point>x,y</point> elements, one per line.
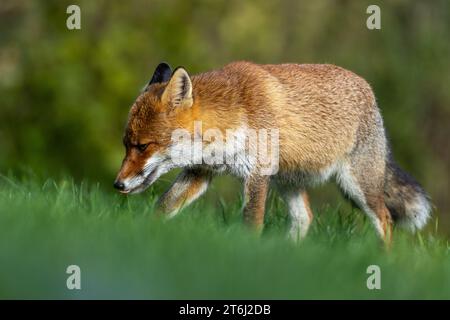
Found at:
<point>300,213</point>
<point>188,186</point>
<point>363,182</point>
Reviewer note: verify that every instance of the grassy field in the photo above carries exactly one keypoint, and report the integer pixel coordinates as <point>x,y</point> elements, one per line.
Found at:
<point>124,251</point>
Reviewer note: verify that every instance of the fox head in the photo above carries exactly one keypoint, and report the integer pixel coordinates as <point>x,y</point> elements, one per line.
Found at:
<point>163,106</point>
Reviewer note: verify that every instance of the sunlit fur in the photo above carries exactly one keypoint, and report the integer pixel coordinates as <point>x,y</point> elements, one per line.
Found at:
<point>329,127</point>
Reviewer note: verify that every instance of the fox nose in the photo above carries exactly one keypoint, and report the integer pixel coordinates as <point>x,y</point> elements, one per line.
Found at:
<point>119,185</point>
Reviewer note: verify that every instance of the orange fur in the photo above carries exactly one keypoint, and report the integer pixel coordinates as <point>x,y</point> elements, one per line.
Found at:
<point>328,121</point>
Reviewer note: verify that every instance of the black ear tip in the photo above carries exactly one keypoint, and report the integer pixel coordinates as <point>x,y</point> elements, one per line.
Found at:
<point>163,65</point>
<point>162,73</point>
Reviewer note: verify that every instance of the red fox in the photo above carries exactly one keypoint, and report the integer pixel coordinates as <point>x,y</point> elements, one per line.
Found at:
<point>329,126</point>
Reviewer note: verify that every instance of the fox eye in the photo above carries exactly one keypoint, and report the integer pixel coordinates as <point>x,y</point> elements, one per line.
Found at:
<point>142,147</point>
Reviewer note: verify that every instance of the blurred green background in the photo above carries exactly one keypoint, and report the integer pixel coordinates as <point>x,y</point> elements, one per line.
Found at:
<point>65,94</point>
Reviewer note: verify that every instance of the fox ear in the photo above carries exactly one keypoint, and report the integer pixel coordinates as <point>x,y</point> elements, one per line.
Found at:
<point>162,74</point>
<point>178,92</point>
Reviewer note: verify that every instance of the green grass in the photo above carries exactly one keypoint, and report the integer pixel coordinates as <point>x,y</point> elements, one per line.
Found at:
<point>124,251</point>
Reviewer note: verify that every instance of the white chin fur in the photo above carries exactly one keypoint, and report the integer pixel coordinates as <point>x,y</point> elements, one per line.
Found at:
<point>153,169</point>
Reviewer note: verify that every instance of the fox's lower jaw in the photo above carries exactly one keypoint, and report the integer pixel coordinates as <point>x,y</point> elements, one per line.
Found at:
<point>139,184</point>
<point>135,190</point>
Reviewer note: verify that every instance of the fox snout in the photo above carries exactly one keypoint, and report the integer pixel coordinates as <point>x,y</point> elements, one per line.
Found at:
<point>119,185</point>
<point>136,175</point>
<point>134,184</point>
<point>131,178</point>
<point>122,184</point>
<point>132,174</point>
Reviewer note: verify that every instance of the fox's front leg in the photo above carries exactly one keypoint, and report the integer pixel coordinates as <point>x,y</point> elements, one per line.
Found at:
<point>255,195</point>
<point>188,186</point>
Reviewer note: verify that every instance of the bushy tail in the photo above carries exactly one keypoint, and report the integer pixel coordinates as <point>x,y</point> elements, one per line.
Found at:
<point>405,198</point>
